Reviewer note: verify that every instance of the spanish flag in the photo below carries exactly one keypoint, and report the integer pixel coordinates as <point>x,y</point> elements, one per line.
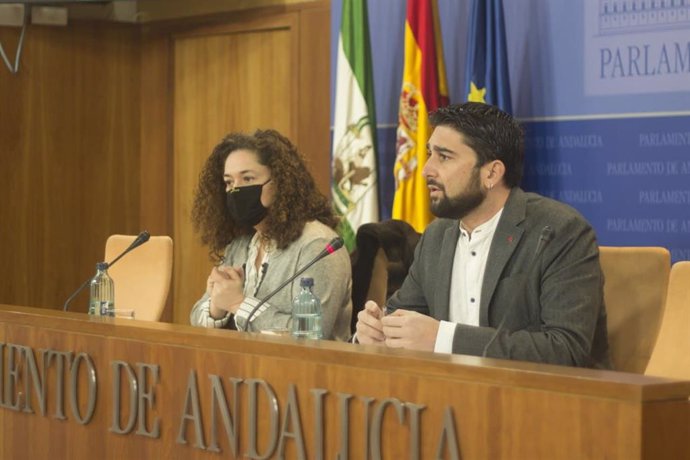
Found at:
<point>424,89</point>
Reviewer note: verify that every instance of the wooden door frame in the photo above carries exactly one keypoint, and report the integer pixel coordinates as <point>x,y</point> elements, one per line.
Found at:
<point>309,130</point>
<point>287,21</point>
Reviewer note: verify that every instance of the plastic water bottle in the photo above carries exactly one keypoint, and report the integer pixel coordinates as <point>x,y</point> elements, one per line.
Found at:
<point>102,298</point>
<point>306,312</point>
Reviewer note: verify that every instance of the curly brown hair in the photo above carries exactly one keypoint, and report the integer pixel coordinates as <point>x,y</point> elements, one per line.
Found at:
<point>296,202</point>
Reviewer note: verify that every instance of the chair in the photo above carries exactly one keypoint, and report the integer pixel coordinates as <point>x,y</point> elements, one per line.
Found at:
<point>385,251</point>
<point>635,282</point>
<point>142,277</point>
<point>671,355</point>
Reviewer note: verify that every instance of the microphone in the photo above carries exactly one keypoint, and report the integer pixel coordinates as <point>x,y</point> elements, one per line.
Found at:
<point>335,244</point>
<point>141,238</point>
<point>545,237</point>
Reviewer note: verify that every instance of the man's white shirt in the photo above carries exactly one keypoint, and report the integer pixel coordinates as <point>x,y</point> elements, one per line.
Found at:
<point>467,278</point>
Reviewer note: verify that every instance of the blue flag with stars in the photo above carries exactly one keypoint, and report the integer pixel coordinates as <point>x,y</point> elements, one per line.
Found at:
<point>486,70</point>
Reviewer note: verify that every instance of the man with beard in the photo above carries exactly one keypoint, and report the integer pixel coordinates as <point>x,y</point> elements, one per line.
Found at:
<point>500,273</point>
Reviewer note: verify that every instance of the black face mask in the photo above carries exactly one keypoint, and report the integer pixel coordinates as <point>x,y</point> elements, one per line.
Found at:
<point>244,205</point>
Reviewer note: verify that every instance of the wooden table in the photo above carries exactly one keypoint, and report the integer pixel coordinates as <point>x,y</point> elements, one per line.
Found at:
<point>105,388</point>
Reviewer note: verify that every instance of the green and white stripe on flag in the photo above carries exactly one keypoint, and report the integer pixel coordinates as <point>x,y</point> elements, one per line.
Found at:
<point>354,185</point>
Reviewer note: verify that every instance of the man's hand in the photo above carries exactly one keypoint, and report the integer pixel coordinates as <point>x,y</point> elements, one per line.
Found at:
<point>369,327</point>
<point>409,329</point>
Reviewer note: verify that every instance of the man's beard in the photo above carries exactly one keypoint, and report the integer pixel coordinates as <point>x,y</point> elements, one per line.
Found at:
<point>459,206</point>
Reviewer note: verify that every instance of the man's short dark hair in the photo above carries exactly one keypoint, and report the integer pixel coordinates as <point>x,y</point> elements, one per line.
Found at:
<point>490,132</point>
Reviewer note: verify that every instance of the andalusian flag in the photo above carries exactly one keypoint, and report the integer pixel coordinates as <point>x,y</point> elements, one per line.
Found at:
<point>424,89</point>
<point>487,60</point>
<point>354,186</point>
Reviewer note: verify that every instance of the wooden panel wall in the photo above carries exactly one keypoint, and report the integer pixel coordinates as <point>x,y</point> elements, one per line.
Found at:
<point>86,140</point>
<point>155,133</point>
<point>155,10</point>
<point>69,156</point>
<point>314,108</point>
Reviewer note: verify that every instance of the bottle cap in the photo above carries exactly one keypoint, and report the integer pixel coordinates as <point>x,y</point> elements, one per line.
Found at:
<point>101,266</point>
<point>306,282</point>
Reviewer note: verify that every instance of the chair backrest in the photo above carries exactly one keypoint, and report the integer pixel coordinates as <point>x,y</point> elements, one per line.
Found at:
<point>635,283</point>
<point>142,277</point>
<point>671,355</point>
<point>378,287</point>
<point>369,282</point>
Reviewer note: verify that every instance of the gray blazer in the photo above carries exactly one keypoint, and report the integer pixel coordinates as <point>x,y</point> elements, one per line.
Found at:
<point>332,283</point>
<point>542,297</point>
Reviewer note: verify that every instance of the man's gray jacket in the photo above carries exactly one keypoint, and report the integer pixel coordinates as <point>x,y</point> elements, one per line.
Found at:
<point>542,297</point>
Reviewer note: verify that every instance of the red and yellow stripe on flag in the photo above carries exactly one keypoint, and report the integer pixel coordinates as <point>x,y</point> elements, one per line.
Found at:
<point>424,89</point>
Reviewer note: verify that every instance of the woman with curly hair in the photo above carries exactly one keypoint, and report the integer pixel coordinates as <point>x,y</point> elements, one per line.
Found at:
<point>257,208</point>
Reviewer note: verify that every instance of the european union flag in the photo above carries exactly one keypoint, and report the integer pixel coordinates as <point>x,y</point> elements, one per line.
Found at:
<point>486,74</point>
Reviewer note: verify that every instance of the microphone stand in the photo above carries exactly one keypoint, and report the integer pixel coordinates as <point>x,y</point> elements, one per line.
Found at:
<point>331,247</point>
<point>74,294</point>
<point>142,238</point>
